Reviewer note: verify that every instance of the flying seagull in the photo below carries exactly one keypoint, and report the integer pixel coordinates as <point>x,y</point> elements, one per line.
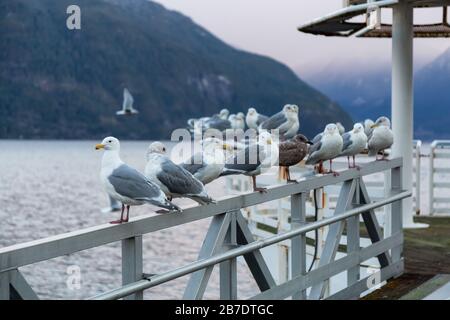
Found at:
<point>173,179</point>
<point>292,152</point>
<point>207,165</point>
<point>127,105</point>
<point>328,147</point>
<point>125,184</point>
<point>354,143</point>
<point>253,119</point>
<point>381,138</point>
<point>253,159</point>
<point>285,121</point>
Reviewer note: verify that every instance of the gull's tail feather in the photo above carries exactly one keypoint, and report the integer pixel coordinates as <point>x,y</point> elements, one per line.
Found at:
<point>167,205</point>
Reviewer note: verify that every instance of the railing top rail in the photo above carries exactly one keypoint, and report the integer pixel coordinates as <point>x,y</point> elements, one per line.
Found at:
<point>440,143</point>
<point>233,253</point>
<point>18,255</point>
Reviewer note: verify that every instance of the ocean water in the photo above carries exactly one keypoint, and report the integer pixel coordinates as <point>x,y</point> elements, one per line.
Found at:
<point>52,187</point>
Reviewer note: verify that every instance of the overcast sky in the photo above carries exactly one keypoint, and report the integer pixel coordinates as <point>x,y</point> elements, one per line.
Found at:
<point>269,27</point>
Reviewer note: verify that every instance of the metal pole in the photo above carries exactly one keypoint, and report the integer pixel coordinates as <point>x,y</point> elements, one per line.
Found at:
<point>402,97</point>
<point>132,264</point>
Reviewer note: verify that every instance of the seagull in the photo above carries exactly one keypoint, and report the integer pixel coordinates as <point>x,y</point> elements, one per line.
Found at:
<point>341,128</point>
<point>328,147</point>
<point>381,138</point>
<point>223,114</point>
<point>253,159</point>
<point>127,105</point>
<point>237,121</point>
<point>254,119</point>
<point>368,123</point>
<point>173,179</point>
<point>285,121</point>
<point>354,142</point>
<point>207,165</point>
<point>292,152</point>
<point>125,184</point>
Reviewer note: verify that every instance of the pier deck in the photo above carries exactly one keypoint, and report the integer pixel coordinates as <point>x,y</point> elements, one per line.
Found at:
<point>426,253</point>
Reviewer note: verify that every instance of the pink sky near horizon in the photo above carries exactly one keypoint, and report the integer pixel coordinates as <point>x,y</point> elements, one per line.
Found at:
<point>269,27</point>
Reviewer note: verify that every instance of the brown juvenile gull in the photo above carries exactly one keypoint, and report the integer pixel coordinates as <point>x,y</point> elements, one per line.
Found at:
<point>292,152</point>
<point>381,137</point>
<point>125,184</point>
<point>173,179</point>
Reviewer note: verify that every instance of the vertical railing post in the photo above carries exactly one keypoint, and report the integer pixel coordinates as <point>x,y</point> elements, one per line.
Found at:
<point>353,239</point>
<point>418,170</point>
<point>132,268</point>
<point>298,244</point>
<point>228,269</point>
<point>4,286</point>
<point>396,214</point>
<point>431,179</point>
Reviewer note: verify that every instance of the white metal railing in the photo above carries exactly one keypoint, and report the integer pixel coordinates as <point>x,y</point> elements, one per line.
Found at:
<point>439,175</point>
<point>229,237</point>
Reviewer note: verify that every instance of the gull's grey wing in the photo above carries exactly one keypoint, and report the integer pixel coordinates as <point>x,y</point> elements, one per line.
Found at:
<point>127,100</point>
<point>317,138</point>
<point>314,152</point>
<point>194,164</point>
<point>261,118</point>
<point>246,160</point>
<point>346,137</point>
<point>178,180</point>
<point>130,183</point>
<point>274,122</point>
<point>219,124</point>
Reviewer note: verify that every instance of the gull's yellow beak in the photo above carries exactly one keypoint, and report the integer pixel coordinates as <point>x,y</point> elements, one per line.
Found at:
<point>269,141</point>
<point>99,146</point>
<point>374,126</point>
<point>226,146</point>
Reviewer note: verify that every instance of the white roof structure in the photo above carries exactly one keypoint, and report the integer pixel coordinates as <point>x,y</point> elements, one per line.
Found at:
<point>402,31</point>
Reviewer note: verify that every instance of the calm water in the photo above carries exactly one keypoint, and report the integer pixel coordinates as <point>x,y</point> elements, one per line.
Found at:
<point>51,187</point>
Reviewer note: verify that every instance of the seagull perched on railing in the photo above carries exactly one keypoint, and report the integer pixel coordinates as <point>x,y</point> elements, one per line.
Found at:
<point>127,105</point>
<point>368,123</point>
<point>125,184</point>
<point>173,179</point>
<point>285,121</point>
<point>207,165</point>
<point>327,146</point>
<point>253,119</point>
<point>292,152</point>
<point>354,143</point>
<point>381,137</point>
<point>237,121</point>
<point>253,159</point>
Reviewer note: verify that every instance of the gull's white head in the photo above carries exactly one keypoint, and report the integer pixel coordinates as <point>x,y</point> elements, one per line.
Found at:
<point>241,115</point>
<point>251,111</point>
<point>358,127</point>
<point>331,129</point>
<point>291,111</point>
<point>157,147</point>
<point>224,113</point>
<point>382,122</point>
<point>109,143</point>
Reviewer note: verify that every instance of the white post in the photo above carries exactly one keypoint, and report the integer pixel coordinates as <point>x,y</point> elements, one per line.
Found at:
<point>402,98</point>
